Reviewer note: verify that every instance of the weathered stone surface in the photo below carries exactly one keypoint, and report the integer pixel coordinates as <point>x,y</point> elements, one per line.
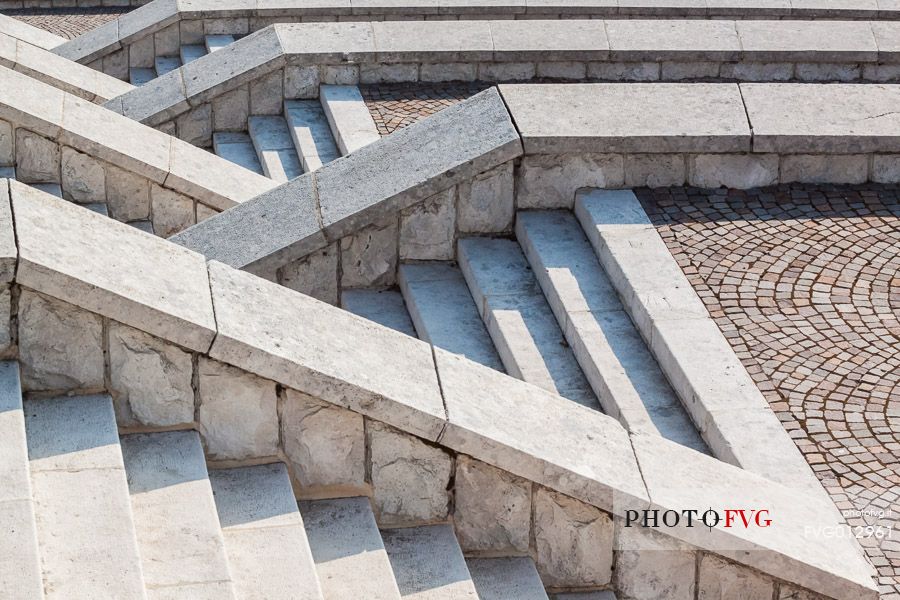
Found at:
<point>562,70</point>
<point>654,170</point>
<point>719,580</point>
<point>824,168</point>
<point>410,477</point>
<point>50,334</point>
<point>37,158</point>
<point>350,120</point>
<point>651,565</point>
<point>427,41</point>
<point>369,257</point>
<point>231,110</point>
<point>427,561</point>
<point>340,75</point>
<point>550,181</point>
<point>448,72</point>
<point>802,40</point>
<point>171,212</point>
<point>500,578</point>
<point>325,444</point>
<point>325,43</point>
<point>502,71</point>
<point>695,40</point>
<point>886,168</point>
<point>83,177</point>
<point>574,541</point>
<point>315,275</point>
<point>564,40</point>
<point>427,229</point>
<point>5,324</point>
<point>325,352</point>
<point>195,126</point>
<point>388,73</point>
<point>8,246</point>
<point>679,71</point>
<point>733,170</point>
<point>236,413</point>
<point>493,508</point>
<point>301,82</point>
<point>486,204</point>
<point>7,145</point>
<point>127,195</point>
<point>753,71</point>
<point>147,283</point>
<point>267,94</point>
<point>384,307</point>
<point>152,379</point>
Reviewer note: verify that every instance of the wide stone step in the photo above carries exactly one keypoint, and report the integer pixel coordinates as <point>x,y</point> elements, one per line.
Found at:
<point>20,563</point>
<point>621,369</point>
<point>311,133</point>
<point>428,563</point>
<point>138,76</point>
<point>506,578</point>
<point>191,52</point>
<point>181,543</point>
<point>166,64</point>
<point>385,307</point>
<point>266,544</point>
<point>238,148</point>
<point>351,123</point>
<point>274,148</point>
<point>85,528</point>
<point>519,320</point>
<point>217,42</point>
<point>444,313</point>
<point>350,557</point>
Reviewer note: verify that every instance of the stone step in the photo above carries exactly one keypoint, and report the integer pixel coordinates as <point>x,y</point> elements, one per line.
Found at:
<point>7,172</point>
<point>138,76</point>
<point>311,133</point>
<point>506,578</point>
<point>444,313</point>
<point>85,527</point>
<point>266,544</point>
<point>178,532</point>
<point>428,563</point>
<point>350,557</point>
<point>217,42</point>
<point>274,148</point>
<point>238,148</point>
<point>385,307</point>
<point>20,563</point>
<point>621,369</point>
<point>54,189</point>
<point>166,64</point>
<point>351,123</point>
<point>191,52</point>
<point>519,320</point>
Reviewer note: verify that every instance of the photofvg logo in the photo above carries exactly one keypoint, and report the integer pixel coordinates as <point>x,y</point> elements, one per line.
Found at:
<point>728,518</point>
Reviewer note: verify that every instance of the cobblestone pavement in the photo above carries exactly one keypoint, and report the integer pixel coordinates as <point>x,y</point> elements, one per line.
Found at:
<point>805,284</point>
<point>67,22</point>
<point>394,106</point>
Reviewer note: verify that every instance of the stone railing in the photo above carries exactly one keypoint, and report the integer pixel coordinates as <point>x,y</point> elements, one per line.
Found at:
<point>255,368</point>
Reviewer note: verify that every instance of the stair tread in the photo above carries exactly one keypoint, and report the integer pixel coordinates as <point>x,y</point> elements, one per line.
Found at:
<point>191,52</point>
<point>217,41</point>
<point>351,560</point>
<point>444,313</point>
<point>265,540</point>
<point>428,563</point>
<point>77,469</point>
<point>138,76</point>
<point>520,321</point>
<point>238,148</point>
<point>54,189</point>
<point>274,147</point>
<point>351,123</point>
<point>166,64</point>
<point>384,307</point>
<point>175,516</point>
<point>506,578</point>
<point>8,172</point>
<point>311,133</point>
<point>620,367</point>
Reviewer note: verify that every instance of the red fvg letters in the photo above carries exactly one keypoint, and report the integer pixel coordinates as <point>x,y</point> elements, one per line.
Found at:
<point>747,517</point>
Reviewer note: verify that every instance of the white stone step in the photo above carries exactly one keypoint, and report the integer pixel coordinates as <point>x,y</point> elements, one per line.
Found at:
<point>444,313</point>
<point>267,548</point>
<point>428,563</point>
<point>166,64</point>
<point>506,578</point>
<point>54,189</point>
<point>217,42</point>
<point>20,563</point>
<point>311,133</point>
<point>238,148</point>
<point>621,369</point>
<point>191,52</point>
<point>385,307</point>
<point>350,557</point>
<point>274,148</point>
<point>181,543</point>
<point>351,123</point>
<point>140,75</point>
<point>85,529</point>
<point>520,321</point>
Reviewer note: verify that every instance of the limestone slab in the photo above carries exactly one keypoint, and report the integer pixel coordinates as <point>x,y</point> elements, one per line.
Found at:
<point>428,229</point>
<point>351,123</point>
<point>274,148</point>
<point>14,483</point>
<point>315,275</point>
<point>506,579</point>
<point>486,204</point>
<point>537,40</point>
<point>369,257</point>
<point>29,33</point>
<point>663,39</point>
<point>886,37</point>
<point>324,43</point>
<point>389,376</point>
<point>150,284</point>
<point>630,117</point>
<point>800,41</point>
<point>428,563</point>
<point>433,41</point>
<point>649,564</point>
<point>311,133</point>
<point>20,567</point>
<point>30,103</point>
<point>384,307</point>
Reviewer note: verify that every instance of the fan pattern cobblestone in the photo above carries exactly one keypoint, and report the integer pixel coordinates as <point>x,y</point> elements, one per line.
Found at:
<point>398,105</point>
<point>67,22</point>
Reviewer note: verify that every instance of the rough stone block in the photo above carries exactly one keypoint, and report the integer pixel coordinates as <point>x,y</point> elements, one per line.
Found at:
<point>37,158</point>
<point>267,94</point>
<point>83,177</point>
<point>51,333</point>
<point>315,275</point>
<point>195,126</point>
<point>447,72</point>
<point>141,53</point>
<point>340,75</point>
<point>677,71</point>
<point>427,229</point>
<point>742,171</point>
<point>7,147</point>
<point>127,195</point>
<point>231,110</point>
<point>504,72</point>
<point>486,204</point>
<point>757,71</point>
<point>886,168</point>
<point>369,257</point>
<point>654,170</point>
<point>562,70</point>
<point>721,580</point>
<point>623,71</point>
<point>116,64</point>
<point>168,41</point>
<point>237,413</point>
<point>664,39</point>
<point>150,378</point>
<point>388,73</point>
<point>651,565</point>
<point>550,181</point>
<point>324,444</point>
<point>824,168</point>
<point>171,212</point>
<point>493,508</point>
<point>884,73</point>
<point>410,477</point>
<point>205,212</point>
<point>574,541</point>
<point>301,82</point>
<point>827,72</point>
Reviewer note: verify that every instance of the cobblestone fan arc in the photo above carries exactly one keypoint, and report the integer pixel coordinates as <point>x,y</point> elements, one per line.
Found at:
<point>67,22</point>
<point>395,106</point>
<point>805,283</point>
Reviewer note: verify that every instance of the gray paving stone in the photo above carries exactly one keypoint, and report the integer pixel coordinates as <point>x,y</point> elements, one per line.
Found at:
<point>528,40</point>
<point>175,517</point>
<point>384,307</point>
<point>464,40</point>
<point>662,39</point>
<point>311,133</point>
<point>166,64</point>
<point>351,123</point>
<point>329,43</point>
<point>268,552</point>
<point>350,557</point>
<point>444,314</point>
<point>275,148</point>
<point>506,579</point>
<point>428,563</point>
<point>191,52</point>
<point>238,148</point>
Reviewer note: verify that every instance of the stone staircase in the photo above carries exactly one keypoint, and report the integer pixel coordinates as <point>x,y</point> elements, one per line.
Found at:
<point>187,53</point>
